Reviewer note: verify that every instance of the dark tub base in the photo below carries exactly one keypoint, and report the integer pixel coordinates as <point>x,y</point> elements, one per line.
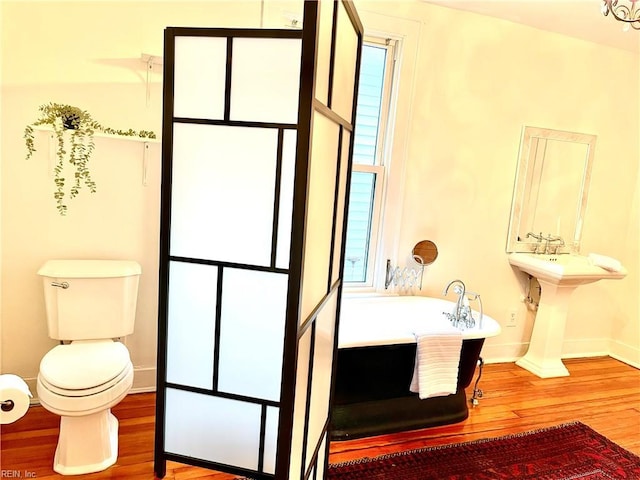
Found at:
<point>379,417</point>
<point>372,394</point>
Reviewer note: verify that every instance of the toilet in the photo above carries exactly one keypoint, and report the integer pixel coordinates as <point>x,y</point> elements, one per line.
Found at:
<point>90,304</point>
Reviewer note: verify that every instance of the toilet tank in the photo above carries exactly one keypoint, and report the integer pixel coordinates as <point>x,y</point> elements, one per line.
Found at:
<point>90,299</point>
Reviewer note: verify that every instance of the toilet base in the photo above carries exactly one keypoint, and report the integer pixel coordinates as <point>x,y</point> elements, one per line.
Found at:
<point>86,444</point>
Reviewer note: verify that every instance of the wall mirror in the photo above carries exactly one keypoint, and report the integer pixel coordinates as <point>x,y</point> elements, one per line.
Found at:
<point>425,252</point>
<point>551,188</point>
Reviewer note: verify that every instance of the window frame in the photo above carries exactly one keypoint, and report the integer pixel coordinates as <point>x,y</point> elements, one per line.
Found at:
<point>381,166</point>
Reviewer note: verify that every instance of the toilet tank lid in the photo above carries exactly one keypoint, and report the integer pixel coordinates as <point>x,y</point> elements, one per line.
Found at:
<point>90,268</point>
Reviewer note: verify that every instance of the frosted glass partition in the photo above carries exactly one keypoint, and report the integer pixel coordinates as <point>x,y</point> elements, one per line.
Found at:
<point>344,73</point>
<point>266,79</point>
<point>321,375</point>
<point>223,192</point>
<point>252,333</point>
<point>193,423</point>
<point>200,77</point>
<point>322,184</point>
<point>191,324</point>
<point>283,245</point>
<point>341,205</point>
<point>323,64</point>
<point>300,404</point>
<point>251,242</point>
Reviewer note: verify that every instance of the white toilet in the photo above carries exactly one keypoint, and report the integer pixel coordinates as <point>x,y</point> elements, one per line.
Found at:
<point>89,303</point>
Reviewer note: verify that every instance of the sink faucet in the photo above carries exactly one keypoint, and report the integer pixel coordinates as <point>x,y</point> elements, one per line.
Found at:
<point>536,236</point>
<point>539,237</point>
<point>548,247</point>
<point>559,242</point>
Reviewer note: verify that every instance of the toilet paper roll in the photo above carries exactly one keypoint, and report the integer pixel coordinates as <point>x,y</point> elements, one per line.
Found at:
<point>14,398</point>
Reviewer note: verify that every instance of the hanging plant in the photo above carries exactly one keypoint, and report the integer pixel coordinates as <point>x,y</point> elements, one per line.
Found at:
<point>61,117</point>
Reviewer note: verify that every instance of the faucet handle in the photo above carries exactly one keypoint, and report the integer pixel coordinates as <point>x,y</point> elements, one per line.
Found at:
<point>538,237</point>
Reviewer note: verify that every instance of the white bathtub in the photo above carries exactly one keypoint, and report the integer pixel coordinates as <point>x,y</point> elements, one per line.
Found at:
<point>391,320</point>
<point>376,361</point>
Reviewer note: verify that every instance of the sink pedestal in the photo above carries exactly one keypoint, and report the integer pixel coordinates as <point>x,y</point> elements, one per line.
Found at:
<point>559,276</point>
<point>545,347</point>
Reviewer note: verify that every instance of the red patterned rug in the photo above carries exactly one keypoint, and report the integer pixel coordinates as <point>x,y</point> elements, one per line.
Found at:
<point>570,451</point>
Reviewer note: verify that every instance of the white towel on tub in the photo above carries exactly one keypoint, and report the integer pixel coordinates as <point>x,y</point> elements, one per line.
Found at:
<point>436,368</point>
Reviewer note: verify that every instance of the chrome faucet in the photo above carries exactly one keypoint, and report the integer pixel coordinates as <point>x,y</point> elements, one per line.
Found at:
<point>548,247</point>
<point>539,238</point>
<point>462,312</point>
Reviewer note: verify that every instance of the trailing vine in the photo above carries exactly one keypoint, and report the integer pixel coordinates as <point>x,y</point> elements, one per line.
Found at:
<point>61,117</point>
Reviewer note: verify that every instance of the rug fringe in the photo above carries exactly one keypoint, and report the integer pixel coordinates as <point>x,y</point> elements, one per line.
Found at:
<point>451,445</point>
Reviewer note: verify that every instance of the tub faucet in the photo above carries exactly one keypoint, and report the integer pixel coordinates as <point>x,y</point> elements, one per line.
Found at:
<point>461,312</point>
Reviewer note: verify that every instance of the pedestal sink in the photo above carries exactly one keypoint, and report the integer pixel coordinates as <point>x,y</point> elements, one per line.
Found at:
<point>559,276</point>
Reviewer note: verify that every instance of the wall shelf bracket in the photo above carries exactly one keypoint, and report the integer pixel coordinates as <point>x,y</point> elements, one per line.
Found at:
<point>145,163</point>
<point>150,61</point>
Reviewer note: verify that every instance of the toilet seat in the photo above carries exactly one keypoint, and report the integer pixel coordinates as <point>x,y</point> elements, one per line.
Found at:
<point>84,377</point>
<point>83,392</point>
<point>84,366</point>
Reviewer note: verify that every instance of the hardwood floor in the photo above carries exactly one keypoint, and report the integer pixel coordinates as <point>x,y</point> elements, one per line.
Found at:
<point>601,392</point>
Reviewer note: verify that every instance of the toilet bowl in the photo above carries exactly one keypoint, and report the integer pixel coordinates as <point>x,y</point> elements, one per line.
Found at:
<point>88,303</point>
<point>80,382</point>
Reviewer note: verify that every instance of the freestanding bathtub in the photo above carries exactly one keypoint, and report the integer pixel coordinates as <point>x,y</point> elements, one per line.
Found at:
<point>376,358</point>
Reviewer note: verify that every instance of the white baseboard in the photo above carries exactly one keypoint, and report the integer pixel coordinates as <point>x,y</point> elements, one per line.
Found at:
<point>625,353</point>
<point>585,347</point>
<point>144,380</point>
<point>582,348</point>
<point>504,352</point>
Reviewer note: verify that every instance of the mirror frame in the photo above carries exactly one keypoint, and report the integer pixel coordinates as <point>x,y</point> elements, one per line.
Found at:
<point>424,246</point>
<point>525,163</point>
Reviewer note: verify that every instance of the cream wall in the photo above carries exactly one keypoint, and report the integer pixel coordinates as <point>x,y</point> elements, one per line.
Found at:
<point>478,81</point>
<point>88,54</point>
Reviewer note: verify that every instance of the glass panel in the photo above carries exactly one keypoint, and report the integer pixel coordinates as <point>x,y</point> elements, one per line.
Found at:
<point>323,61</point>
<point>359,226</point>
<point>200,71</point>
<point>286,198</point>
<point>191,324</point>
<point>211,428</point>
<point>300,404</point>
<point>271,440</point>
<point>321,377</point>
<point>323,163</point>
<point>265,80</point>
<point>344,74</point>
<point>340,208</point>
<point>222,193</point>
<point>369,104</point>
<point>252,333</point>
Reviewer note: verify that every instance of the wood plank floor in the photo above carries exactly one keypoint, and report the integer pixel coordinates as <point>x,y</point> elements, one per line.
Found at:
<point>601,392</point>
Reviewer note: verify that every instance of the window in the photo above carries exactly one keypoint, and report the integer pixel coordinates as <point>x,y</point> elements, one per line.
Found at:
<point>369,166</point>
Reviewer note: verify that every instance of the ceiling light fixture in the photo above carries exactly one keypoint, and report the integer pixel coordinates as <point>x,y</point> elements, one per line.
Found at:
<point>623,11</point>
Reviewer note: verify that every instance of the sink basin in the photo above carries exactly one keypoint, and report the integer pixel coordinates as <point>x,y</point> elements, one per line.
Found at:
<point>558,276</point>
<point>563,269</point>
